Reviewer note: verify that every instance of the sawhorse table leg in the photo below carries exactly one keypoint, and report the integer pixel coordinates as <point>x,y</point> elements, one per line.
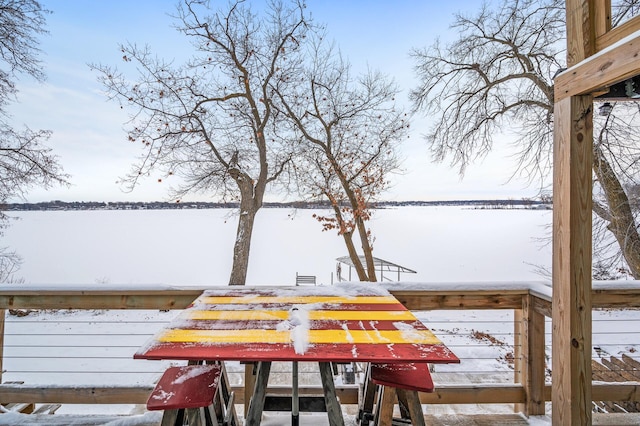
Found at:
<point>367,401</point>
<point>256,405</point>
<point>408,402</point>
<point>334,412</point>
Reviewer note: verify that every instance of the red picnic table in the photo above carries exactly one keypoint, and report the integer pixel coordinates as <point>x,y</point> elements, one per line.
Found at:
<point>346,322</point>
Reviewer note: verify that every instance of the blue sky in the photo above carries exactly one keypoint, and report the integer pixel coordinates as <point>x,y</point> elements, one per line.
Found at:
<point>88,133</point>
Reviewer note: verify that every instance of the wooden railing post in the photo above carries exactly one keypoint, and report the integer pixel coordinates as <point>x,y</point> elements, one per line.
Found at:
<point>529,357</point>
<point>3,312</point>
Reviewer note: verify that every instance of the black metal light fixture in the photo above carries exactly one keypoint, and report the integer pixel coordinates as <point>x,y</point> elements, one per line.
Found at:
<point>605,109</point>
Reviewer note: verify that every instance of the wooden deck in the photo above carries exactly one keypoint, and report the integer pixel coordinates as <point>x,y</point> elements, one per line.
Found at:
<point>455,402</point>
<point>153,419</point>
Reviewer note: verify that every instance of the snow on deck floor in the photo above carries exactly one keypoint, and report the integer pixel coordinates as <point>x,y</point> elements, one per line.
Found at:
<point>316,419</point>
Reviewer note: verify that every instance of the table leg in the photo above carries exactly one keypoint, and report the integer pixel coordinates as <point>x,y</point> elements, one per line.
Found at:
<point>250,371</point>
<point>367,402</point>
<point>172,417</point>
<point>194,416</point>
<point>331,400</point>
<point>256,405</point>
<point>384,408</point>
<point>295,407</point>
<point>411,400</point>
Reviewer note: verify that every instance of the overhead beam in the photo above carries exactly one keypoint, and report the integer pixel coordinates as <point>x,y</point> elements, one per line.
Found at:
<point>606,68</point>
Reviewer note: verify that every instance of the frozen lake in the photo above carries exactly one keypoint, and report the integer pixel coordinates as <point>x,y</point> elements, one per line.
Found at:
<point>194,247</point>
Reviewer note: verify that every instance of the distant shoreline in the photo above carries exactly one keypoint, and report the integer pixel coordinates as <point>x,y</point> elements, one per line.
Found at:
<point>165,205</point>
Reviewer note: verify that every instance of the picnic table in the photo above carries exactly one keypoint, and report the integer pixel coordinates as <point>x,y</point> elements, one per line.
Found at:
<point>347,322</point>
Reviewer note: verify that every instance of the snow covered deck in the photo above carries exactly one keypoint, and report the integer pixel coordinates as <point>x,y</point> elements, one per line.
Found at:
<point>509,369</point>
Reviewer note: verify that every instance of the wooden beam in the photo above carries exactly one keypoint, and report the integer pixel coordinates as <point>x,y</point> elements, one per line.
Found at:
<point>610,66</point>
<point>616,34</point>
<point>571,348</point>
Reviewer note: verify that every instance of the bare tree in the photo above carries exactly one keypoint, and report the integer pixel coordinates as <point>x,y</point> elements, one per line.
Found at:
<point>351,129</point>
<point>25,160</point>
<point>210,120</point>
<point>498,76</point>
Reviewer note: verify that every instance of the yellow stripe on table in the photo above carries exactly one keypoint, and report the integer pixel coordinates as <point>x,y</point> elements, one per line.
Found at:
<point>315,336</point>
<point>261,315</point>
<point>241,300</point>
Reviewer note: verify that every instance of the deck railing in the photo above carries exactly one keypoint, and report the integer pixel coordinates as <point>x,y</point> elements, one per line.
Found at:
<point>529,304</point>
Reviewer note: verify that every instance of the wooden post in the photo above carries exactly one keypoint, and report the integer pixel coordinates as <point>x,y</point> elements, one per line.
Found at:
<point>571,312</point>
<point>529,357</point>
<point>3,313</point>
<point>572,233</point>
<point>602,17</point>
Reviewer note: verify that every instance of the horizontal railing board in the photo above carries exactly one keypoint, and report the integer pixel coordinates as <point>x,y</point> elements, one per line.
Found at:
<point>76,394</point>
<point>485,393</point>
<point>84,394</point>
<point>415,296</point>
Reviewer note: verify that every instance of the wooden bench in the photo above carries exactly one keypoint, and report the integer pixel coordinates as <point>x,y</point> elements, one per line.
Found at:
<point>305,279</point>
<point>194,390</point>
<point>404,381</point>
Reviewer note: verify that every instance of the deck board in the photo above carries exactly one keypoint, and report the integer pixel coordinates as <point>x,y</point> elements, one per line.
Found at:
<point>152,419</point>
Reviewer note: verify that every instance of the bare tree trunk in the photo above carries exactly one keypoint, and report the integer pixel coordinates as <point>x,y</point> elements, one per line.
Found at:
<point>367,250</point>
<point>619,216</point>
<point>241,248</point>
<point>250,203</point>
<point>353,254</point>
<point>347,236</point>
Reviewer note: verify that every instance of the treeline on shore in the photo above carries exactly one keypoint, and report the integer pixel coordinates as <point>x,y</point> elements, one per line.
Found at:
<point>165,205</point>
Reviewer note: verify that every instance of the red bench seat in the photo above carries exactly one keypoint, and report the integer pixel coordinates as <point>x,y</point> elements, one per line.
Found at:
<point>404,381</point>
<point>408,376</point>
<point>189,386</point>
<point>193,390</point>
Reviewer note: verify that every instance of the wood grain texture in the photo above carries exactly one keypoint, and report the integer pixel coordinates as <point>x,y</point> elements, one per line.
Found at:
<point>571,264</point>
